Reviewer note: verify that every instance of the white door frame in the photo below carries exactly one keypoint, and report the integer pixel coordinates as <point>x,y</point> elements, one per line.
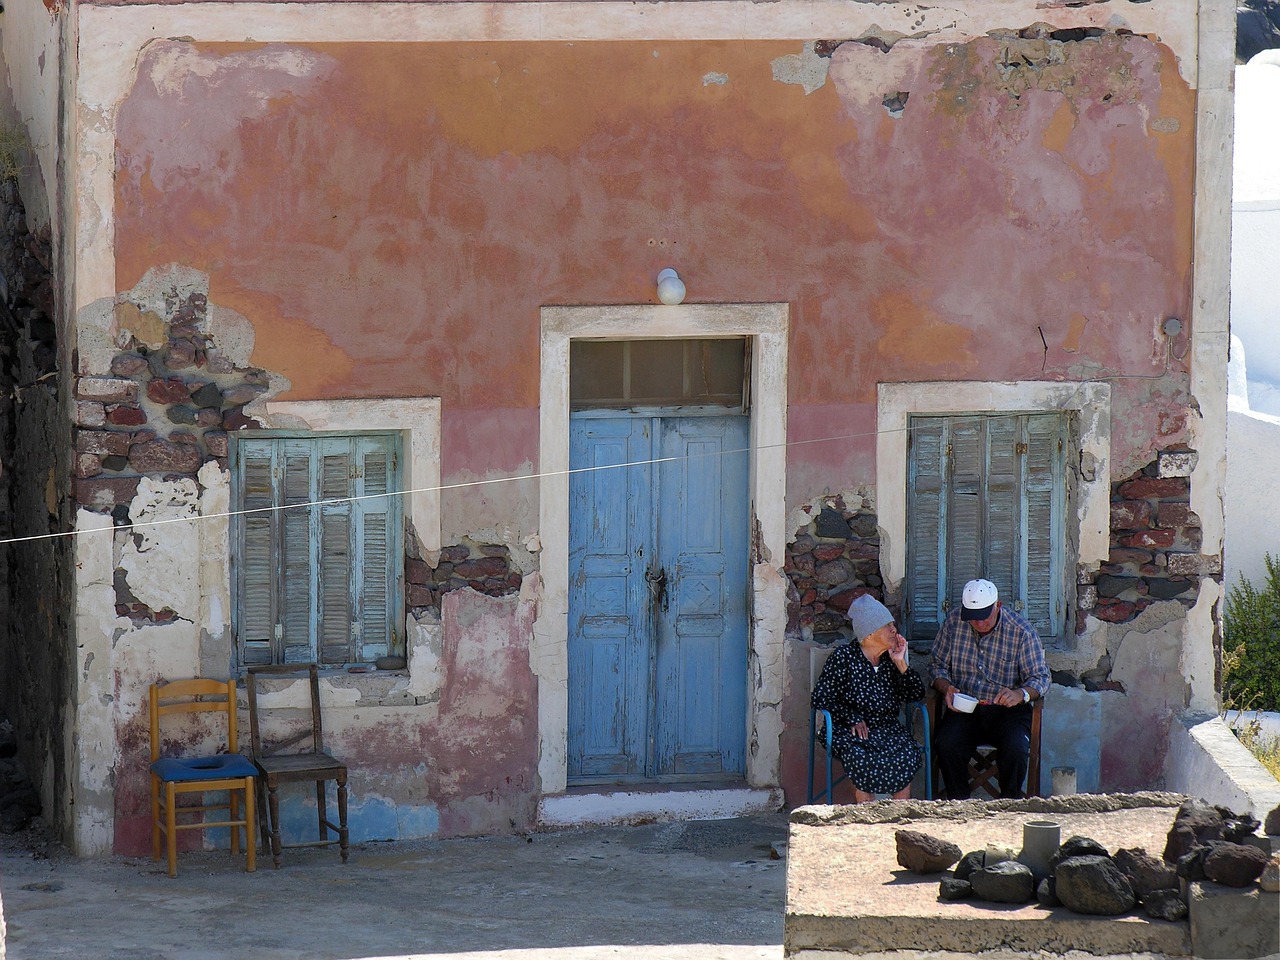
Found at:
<point>766,324</point>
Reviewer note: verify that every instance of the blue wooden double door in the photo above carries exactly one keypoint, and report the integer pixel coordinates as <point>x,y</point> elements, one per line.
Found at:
<point>657,597</point>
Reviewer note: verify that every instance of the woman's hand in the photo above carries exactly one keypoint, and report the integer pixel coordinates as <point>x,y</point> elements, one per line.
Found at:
<point>898,651</point>
<point>861,730</point>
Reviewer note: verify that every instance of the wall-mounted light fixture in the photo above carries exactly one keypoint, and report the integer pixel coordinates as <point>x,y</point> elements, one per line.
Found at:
<point>670,287</point>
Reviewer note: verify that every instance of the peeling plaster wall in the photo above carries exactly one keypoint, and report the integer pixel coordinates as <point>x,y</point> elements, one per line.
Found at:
<point>965,197</point>
<point>30,40</point>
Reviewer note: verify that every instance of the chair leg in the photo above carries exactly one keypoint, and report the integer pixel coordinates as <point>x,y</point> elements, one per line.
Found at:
<point>342,816</point>
<point>233,811</point>
<point>274,807</point>
<point>264,825</point>
<point>250,847</point>
<point>155,817</point>
<point>171,827</point>
<point>322,811</point>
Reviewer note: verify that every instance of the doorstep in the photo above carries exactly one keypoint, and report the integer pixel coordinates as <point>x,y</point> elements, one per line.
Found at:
<point>601,806</point>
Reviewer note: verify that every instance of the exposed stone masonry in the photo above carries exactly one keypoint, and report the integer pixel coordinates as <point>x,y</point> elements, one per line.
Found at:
<point>163,411</point>
<point>1155,544</point>
<point>485,568</point>
<point>831,561</point>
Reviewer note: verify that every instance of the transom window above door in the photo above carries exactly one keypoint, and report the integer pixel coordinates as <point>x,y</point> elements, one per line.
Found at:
<point>670,372</point>
<point>987,496</point>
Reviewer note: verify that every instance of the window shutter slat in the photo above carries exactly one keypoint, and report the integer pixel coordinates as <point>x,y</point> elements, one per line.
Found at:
<point>299,564</point>
<point>1003,541</point>
<point>379,561</point>
<point>924,541</point>
<point>966,505</point>
<point>1045,549</point>
<point>257,617</point>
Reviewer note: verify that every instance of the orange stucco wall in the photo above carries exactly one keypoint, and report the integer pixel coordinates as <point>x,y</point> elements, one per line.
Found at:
<point>390,218</point>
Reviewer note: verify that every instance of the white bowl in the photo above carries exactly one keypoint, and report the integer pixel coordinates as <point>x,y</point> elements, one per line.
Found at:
<point>964,703</point>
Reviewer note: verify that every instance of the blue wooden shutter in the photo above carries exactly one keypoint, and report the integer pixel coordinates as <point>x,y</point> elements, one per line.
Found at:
<point>257,569</point>
<point>376,535</point>
<point>926,544</point>
<point>966,508</point>
<point>1044,497</point>
<point>319,580</point>
<point>1002,540</point>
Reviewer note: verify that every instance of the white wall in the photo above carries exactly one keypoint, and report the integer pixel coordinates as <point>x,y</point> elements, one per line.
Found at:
<point>1252,493</point>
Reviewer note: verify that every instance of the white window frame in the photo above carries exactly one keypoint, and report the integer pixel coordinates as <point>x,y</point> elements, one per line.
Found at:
<point>896,403</point>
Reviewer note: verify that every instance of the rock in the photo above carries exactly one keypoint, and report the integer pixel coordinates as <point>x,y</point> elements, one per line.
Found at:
<point>1077,846</point>
<point>1047,893</point>
<point>169,390</point>
<point>921,853</point>
<point>1093,885</point>
<point>126,416</point>
<point>1234,864</point>
<point>1165,905</point>
<point>831,525</point>
<point>207,396</point>
<point>1272,824</point>
<point>1270,879</point>
<point>1006,882</point>
<point>995,854</point>
<point>181,413</point>
<point>1237,826</point>
<point>952,889</point>
<point>969,863</point>
<point>162,456</point>
<point>1190,865</point>
<point>1196,823</point>
<point>128,364</point>
<point>1146,873</point>
<point>834,572</point>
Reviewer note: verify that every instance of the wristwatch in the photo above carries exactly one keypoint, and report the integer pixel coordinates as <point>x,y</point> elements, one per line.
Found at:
<point>1026,695</point>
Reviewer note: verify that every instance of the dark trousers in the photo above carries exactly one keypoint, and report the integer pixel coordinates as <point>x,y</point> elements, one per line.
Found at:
<point>1008,729</point>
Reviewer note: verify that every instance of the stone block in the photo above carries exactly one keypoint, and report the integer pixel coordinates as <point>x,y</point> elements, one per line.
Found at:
<point>162,456</point>
<point>1087,597</point>
<point>126,416</point>
<point>105,492</point>
<point>103,443</point>
<point>1194,564</point>
<point>106,390</point>
<point>90,413</point>
<point>1229,922</point>
<point>128,365</point>
<point>1176,515</point>
<point>88,465</point>
<point>1130,514</point>
<point>1178,464</point>
<point>1154,539</point>
<point>1156,488</point>
<point>170,390</point>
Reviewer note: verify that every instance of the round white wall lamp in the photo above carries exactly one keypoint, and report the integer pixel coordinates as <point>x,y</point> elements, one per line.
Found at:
<point>670,287</point>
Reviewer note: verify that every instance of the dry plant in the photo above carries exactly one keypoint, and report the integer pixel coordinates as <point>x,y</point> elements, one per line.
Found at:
<point>13,150</point>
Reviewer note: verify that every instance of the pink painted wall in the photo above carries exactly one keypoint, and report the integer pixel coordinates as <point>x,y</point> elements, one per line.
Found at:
<point>391,220</point>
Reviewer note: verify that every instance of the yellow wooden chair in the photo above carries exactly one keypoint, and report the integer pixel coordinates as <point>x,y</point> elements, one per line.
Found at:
<point>172,776</point>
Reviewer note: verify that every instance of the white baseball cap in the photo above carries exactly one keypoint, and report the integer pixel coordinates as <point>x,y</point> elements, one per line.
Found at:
<point>978,600</point>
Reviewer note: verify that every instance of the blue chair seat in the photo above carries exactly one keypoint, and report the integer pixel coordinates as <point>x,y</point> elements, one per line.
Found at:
<point>192,769</point>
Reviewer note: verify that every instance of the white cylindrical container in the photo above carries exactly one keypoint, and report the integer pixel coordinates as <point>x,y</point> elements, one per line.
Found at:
<point>1064,781</point>
<point>1040,840</point>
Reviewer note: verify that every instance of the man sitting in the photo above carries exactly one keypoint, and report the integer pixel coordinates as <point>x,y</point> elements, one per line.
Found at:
<point>995,656</point>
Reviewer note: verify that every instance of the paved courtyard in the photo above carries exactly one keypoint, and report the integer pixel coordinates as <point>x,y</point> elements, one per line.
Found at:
<point>705,889</point>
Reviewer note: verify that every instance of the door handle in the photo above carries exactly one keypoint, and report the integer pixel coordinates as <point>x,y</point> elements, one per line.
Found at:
<point>656,579</point>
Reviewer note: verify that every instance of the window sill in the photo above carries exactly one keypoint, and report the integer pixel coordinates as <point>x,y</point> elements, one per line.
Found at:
<point>340,689</point>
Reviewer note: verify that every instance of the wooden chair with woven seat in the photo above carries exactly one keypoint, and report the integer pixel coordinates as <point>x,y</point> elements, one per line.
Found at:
<point>173,775</point>
<point>293,752</point>
<point>984,771</point>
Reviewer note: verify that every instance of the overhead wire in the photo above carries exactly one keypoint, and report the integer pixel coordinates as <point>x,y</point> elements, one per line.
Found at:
<point>572,471</point>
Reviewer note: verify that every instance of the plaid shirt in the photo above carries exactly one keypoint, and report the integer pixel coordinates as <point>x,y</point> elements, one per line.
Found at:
<point>1010,656</point>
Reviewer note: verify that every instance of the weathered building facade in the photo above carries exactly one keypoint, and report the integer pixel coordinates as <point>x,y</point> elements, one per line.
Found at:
<point>360,360</point>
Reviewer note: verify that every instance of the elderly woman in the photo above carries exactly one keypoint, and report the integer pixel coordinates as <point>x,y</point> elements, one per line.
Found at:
<point>864,686</point>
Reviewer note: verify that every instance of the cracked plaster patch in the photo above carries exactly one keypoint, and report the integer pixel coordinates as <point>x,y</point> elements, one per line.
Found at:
<point>805,69</point>
<point>709,79</point>
<point>159,561</point>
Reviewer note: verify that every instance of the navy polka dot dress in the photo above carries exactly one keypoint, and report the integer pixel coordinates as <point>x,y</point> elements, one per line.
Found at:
<point>852,689</point>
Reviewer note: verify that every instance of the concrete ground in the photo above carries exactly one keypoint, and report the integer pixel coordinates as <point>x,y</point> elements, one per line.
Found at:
<point>702,889</point>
